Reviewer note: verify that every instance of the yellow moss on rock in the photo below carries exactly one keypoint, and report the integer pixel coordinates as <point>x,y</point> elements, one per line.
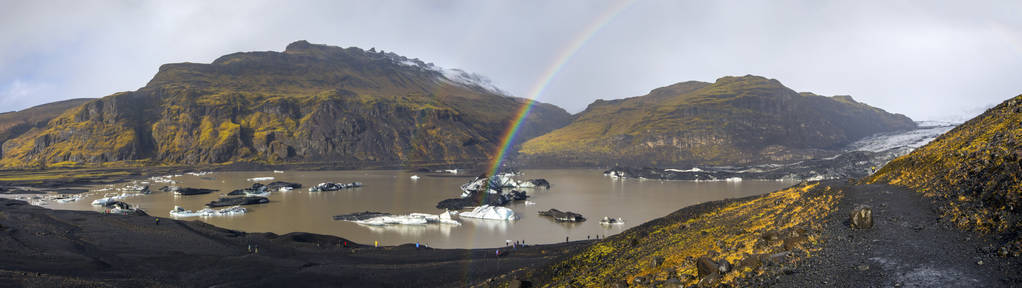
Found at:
<point>793,214</point>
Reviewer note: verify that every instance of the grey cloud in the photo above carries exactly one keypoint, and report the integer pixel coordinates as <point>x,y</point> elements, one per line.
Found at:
<point>925,59</point>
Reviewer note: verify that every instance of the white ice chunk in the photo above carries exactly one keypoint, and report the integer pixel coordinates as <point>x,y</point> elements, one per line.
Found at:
<point>490,212</point>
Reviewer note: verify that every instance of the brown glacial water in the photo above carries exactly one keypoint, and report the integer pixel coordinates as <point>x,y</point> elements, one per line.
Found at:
<point>587,192</point>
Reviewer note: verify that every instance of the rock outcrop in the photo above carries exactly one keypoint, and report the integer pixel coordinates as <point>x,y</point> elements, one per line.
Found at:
<point>861,218</point>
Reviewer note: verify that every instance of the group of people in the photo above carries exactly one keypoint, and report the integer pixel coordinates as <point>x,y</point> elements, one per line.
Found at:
<point>516,244</point>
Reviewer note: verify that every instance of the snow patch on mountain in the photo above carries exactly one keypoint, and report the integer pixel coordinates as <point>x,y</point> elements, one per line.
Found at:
<point>452,75</point>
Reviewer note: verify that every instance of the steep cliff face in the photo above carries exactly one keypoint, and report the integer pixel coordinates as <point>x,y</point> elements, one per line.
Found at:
<point>972,172</point>
<point>15,123</point>
<point>308,104</point>
<point>736,120</point>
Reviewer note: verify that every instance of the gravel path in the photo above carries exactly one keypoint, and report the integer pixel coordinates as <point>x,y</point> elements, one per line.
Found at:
<point>907,247</point>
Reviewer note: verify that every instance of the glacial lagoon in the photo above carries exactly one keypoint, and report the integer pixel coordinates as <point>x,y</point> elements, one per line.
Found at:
<point>584,191</point>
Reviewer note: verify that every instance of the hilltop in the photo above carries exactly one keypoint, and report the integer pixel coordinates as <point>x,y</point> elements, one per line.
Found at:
<point>733,121</point>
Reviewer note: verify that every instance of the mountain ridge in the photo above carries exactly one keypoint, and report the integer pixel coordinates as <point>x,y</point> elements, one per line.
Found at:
<point>735,120</point>
<point>311,103</point>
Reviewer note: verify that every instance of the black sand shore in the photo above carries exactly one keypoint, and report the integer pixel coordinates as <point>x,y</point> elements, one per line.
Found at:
<point>47,248</point>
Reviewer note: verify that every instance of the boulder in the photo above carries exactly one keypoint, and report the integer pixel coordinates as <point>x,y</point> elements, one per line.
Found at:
<point>749,261</point>
<point>519,284</point>
<point>723,266</point>
<point>706,266</point>
<point>657,261</point>
<point>862,217</point>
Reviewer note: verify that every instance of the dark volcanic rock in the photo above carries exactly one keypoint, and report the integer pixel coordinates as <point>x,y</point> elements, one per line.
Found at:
<point>190,191</point>
<point>256,188</point>
<point>562,216</point>
<point>706,266</point>
<point>474,199</point>
<point>281,184</point>
<point>238,201</point>
<point>360,216</point>
<point>540,183</point>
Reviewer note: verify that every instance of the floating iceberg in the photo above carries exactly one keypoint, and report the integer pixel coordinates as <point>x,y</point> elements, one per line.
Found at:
<point>490,212</point>
<point>415,177</point>
<point>278,172</point>
<point>694,169</point>
<point>107,200</point>
<point>383,219</point>
<point>179,212</point>
<point>67,199</point>
<point>202,173</point>
<point>611,221</point>
<point>328,186</point>
<point>257,179</point>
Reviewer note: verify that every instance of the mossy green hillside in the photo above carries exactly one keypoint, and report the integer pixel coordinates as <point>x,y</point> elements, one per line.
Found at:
<point>973,172</point>
<point>310,103</point>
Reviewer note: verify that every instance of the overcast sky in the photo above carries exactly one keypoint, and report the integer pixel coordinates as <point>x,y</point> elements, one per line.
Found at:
<point>925,59</point>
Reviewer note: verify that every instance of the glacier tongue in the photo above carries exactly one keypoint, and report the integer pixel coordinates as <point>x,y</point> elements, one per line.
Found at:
<point>911,139</point>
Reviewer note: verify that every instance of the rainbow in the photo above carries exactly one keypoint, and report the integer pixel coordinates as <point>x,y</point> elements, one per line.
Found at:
<point>543,81</point>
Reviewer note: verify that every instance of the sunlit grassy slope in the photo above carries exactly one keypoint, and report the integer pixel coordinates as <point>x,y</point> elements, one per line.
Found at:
<point>746,233</point>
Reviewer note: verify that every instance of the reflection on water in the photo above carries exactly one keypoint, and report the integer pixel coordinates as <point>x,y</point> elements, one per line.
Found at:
<point>586,192</point>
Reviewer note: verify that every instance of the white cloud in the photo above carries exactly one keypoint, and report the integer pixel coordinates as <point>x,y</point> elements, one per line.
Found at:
<point>19,93</point>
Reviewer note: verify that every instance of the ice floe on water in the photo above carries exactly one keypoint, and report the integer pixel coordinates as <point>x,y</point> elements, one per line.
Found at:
<point>200,173</point>
<point>257,179</point>
<point>179,212</point>
<point>168,179</point>
<point>384,219</point>
<point>694,169</point>
<point>111,198</point>
<point>490,213</point>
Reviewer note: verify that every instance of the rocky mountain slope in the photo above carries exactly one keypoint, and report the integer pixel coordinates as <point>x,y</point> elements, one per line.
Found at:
<point>309,104</point>
<point>15,123</point>
<point>973,173</point>
<point>734,121</point>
